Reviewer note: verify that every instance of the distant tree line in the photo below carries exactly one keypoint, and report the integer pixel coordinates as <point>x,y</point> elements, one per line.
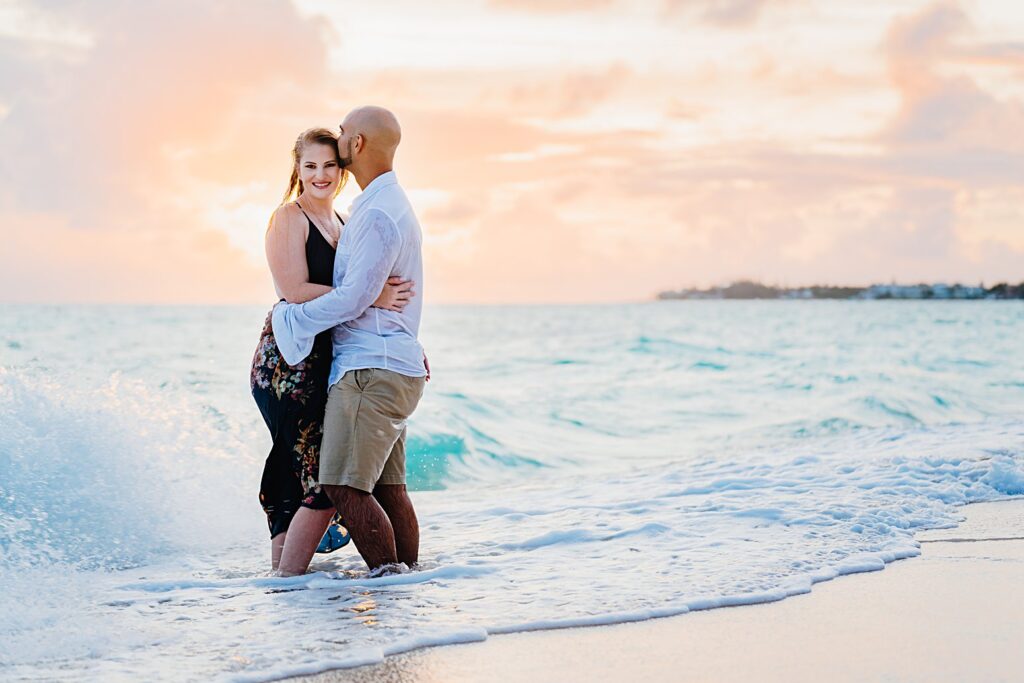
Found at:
<point>747,289</point>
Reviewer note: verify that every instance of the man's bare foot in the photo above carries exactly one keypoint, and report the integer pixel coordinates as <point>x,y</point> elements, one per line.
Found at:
<point>389,569</point>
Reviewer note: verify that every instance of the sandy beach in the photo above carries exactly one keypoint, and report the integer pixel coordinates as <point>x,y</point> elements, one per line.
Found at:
<point>956,613</point>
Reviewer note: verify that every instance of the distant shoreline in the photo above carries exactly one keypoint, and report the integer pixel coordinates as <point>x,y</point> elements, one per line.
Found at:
<point>746,289</point>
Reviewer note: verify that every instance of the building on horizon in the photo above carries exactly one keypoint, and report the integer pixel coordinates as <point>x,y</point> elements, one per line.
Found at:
<point>746,289</point>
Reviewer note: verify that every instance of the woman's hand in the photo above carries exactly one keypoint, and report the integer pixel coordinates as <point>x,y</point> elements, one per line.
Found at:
<point>426,364</point>
<point>395,295</point>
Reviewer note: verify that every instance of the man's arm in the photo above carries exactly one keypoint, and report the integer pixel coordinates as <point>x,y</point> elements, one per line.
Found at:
<point>375,247</point>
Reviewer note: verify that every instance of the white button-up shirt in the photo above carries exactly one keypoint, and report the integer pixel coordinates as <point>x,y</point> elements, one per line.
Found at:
<point>382,238</point>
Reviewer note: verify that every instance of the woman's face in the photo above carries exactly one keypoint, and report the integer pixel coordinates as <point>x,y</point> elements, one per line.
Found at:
<point>319,171</point>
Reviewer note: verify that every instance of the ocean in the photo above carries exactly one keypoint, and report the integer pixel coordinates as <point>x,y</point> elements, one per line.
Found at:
<point>571,465</point>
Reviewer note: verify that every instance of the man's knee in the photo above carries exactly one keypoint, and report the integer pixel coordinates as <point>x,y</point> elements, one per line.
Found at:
<point>389,489</point>
<point>389,492</point>
<point>343,496</point>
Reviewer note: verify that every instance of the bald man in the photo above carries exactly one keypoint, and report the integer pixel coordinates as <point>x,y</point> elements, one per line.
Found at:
<point>378,370</point>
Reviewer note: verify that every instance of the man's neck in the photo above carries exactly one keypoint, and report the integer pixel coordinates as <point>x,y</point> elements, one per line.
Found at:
<point>367,176</point>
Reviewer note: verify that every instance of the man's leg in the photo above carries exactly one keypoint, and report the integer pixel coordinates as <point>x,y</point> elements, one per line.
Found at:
<point>395,501</point>
<point>367,523</point>
<point>364,447</point>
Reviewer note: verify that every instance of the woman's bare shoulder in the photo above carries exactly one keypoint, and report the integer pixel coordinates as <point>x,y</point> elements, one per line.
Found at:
<point>286,218</point>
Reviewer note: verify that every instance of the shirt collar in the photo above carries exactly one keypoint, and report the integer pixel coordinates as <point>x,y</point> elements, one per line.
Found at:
<point>383,180</point>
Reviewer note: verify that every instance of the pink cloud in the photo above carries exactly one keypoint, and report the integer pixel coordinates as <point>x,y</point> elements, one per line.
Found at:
<point>129,142</point>
<point>552,6</point>
<point>724,13</point>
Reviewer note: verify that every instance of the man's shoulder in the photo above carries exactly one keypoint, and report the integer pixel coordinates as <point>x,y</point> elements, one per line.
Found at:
<point>391,199</point>
<point>378,216</point>
<point>392,203</point>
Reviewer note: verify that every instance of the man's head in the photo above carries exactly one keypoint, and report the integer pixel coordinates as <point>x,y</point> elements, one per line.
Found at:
<point>367,140</point>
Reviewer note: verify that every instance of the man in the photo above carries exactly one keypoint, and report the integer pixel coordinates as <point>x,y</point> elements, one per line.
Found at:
<point>378,371</point>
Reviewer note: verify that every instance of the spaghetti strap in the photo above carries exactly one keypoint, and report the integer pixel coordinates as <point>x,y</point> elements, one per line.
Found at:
<point>299,206</point>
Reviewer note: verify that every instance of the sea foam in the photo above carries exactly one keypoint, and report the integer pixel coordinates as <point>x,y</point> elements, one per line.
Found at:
<point>648,462</point>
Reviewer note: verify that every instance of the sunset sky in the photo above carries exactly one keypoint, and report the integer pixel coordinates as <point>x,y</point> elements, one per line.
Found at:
<point>555,150</point>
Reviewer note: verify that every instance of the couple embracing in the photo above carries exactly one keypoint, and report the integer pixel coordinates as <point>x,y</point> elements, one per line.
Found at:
<point>338,369</point>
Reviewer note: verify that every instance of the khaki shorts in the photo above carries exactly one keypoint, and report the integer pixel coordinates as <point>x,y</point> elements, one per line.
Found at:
<point>364,428</point>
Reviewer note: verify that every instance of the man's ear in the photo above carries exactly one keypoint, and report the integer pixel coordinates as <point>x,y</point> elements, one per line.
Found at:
<point>358,142</point>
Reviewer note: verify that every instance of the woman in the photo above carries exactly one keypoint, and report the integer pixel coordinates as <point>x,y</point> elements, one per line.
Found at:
<point>300,243</point>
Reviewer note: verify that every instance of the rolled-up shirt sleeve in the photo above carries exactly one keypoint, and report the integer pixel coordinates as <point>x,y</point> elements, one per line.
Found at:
<point>374,249</point>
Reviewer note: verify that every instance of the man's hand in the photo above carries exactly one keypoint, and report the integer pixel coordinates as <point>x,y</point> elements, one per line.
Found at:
<point>426,364</point>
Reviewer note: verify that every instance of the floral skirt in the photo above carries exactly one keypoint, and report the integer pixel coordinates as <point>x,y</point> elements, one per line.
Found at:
<point>292,399</point>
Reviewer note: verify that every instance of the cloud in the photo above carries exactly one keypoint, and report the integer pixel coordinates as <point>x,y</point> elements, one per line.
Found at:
<point>949,137</point>
<point>548,94</point>
<point>46,260</point>
<point>854,208</point>
<point>552,6</point>
<point>575,93</point>
<point>723,13</point>
<point>161,78</point>
<point>896,209</point>
<point>155,124</point>
<point>950,114</point>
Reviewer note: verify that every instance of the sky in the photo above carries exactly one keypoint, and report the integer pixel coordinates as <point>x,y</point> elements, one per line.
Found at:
<point>556,151</point>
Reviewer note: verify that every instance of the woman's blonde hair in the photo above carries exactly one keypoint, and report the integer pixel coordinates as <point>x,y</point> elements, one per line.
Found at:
<point>313,136</point>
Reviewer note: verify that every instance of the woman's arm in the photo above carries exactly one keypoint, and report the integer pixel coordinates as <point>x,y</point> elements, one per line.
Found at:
<point>286,256</point>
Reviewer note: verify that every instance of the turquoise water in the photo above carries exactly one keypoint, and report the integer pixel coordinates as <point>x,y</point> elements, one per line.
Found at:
<point>572,465</point>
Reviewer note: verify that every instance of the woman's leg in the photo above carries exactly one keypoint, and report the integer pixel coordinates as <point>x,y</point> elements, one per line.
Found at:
<point>304,534</point>
<point>276,545</point>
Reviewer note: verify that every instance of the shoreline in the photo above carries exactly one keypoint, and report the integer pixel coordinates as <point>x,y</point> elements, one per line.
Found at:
<point>956,612</point>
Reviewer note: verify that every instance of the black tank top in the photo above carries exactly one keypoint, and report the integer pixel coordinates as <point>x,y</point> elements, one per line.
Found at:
<point>319,255</point>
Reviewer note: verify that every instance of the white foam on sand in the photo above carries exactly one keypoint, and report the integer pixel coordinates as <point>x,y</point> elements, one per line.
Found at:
<point>332,580</point>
